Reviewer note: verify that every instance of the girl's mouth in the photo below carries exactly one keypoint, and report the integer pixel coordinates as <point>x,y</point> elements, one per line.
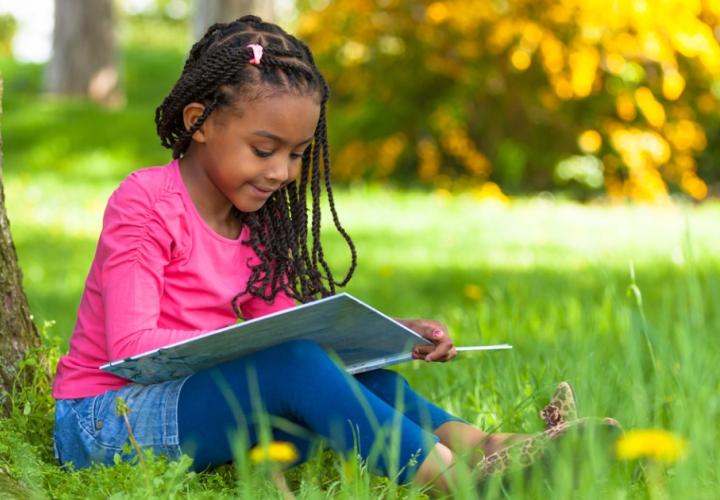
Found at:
<point>262,191</point>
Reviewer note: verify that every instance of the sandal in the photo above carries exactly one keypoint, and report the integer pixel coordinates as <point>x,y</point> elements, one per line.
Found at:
<point>562,407</point>
<point>528,451</point>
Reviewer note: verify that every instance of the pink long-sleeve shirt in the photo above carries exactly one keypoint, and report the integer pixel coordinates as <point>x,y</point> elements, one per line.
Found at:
<point>160,275</point>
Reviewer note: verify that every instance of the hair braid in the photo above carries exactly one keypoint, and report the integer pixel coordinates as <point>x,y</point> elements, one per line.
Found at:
<point>216,73</point>
<point>336,220</point>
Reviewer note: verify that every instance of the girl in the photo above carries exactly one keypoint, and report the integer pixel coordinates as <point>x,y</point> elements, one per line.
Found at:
<point>221,233</point>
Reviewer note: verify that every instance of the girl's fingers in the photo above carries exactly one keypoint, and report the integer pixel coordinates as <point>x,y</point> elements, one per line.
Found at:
<point>441,352</point>
<point>419,352</point>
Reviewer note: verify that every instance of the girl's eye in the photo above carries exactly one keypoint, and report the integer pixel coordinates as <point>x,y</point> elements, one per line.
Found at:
<point>261,153</point>
<point>297,156</point>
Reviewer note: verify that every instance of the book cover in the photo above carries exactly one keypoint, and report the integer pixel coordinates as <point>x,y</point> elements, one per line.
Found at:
<point>362,337</point>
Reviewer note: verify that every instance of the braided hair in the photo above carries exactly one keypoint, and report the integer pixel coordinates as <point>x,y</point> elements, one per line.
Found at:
<point>216,72</point>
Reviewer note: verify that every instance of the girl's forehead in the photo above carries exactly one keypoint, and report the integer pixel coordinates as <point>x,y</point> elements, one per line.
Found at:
<point>268,94</point>
<point>287,115</point>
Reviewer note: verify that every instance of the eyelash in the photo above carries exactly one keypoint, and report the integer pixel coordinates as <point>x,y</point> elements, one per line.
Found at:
<point>267,154</point>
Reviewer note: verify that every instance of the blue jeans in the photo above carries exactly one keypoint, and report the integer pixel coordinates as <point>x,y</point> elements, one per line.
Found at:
<point>89,430</point>
<point>300,393</point>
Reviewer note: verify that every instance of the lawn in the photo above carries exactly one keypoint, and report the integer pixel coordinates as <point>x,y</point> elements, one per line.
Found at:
<point>620,300</point>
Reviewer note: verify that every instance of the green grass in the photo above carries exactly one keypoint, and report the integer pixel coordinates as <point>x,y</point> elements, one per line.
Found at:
<point>555,279</point>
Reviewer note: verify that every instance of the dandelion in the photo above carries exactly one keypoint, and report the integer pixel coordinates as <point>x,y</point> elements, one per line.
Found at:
<point>275,454</point>
<point>278,451</point>
<point>386,271</point>
<point>657,444</point>
<point>473,292</point>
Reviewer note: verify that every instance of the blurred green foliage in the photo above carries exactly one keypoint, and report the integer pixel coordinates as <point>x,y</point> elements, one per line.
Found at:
<point>63,156</point>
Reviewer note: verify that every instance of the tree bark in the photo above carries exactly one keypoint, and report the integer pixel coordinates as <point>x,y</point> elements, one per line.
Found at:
<point>17,331</point>
<point>209,12</point>
<point>84,61</point>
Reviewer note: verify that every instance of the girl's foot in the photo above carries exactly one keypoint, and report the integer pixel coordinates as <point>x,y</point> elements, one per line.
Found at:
<point>516,456</point>
<point>581,423</point>
<point>530,450</point>
<point>561,408</point>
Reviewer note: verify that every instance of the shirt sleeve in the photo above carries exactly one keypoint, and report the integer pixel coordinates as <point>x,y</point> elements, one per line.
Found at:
<point>135,247</point>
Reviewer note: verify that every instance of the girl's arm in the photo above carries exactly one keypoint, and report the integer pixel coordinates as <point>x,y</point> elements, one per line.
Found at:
<point>136,245</point>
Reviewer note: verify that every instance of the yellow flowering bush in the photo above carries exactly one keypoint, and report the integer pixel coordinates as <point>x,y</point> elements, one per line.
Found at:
<point>458,93</point>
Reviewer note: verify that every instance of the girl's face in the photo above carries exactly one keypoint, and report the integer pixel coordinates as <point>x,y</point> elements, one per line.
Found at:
<point>251,149</point>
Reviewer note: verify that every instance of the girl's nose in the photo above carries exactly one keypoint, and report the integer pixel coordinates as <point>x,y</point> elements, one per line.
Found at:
<point>279,171</point>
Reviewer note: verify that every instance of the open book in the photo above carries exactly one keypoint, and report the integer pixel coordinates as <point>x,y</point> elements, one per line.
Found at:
<point>362,337</point>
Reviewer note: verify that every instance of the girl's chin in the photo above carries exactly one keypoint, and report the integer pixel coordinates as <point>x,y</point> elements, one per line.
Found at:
<point>247,207</point>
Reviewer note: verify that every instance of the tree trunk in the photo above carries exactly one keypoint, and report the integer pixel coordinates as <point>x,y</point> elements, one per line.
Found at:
<point>17,331</point>
<point>84,62</point>
<point>209,12</point>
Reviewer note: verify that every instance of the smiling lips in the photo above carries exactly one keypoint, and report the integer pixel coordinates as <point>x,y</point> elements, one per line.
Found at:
<point>262,191</point>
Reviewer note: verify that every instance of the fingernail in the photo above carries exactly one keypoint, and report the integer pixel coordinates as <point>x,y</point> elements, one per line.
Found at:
<point>437,333</point>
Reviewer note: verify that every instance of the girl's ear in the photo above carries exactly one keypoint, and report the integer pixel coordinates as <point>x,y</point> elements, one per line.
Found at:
<point>191,113</point>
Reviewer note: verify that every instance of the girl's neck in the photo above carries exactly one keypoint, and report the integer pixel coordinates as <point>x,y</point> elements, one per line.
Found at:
<point>210,203</point>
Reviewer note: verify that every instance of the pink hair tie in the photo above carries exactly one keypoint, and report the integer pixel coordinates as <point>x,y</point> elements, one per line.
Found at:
<point>257,53</point>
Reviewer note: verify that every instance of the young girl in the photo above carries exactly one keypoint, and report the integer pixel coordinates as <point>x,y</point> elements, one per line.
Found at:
<point>221,233</point>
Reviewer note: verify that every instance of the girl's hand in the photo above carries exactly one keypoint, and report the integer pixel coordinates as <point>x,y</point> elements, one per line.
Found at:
<point>437,333</point>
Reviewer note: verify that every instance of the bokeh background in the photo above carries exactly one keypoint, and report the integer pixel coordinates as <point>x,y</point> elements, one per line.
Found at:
<point>581,97</point>
<point>542,173</point>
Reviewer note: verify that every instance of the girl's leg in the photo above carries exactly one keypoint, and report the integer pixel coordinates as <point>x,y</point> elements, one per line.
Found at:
<point>299,383</point>
<point>468,440</point>
<point>453,432</point>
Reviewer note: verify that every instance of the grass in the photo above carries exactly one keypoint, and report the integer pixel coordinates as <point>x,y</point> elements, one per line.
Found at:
<point>584,292</point>
<point>553,279</point>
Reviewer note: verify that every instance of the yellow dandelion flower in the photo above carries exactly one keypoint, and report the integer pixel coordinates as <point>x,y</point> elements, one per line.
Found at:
<point>473,292</point>
<point>657,444</point>
<point>277,451</point>
<point>386,271</point>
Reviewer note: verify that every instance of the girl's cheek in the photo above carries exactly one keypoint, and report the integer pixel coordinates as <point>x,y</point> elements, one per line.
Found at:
<point>294,171</point>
